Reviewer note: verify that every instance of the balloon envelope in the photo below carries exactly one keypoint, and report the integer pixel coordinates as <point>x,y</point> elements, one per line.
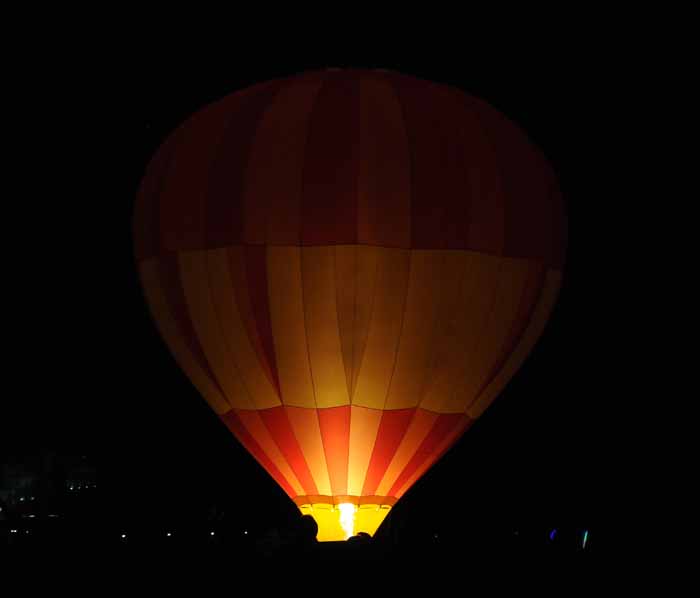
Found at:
<point>349,266</point>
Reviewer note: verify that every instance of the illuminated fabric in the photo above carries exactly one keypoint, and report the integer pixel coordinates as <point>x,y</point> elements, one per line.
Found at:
<point>349,266</point>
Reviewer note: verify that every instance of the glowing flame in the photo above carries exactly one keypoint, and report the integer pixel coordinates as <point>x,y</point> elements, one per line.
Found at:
<point>347,518</point>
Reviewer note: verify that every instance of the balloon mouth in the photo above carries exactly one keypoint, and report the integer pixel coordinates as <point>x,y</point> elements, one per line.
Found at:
<point>340,518</point>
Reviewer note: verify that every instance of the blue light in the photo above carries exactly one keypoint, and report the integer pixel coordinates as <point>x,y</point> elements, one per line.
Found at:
<point>585,538</point>
<point>552,534</point>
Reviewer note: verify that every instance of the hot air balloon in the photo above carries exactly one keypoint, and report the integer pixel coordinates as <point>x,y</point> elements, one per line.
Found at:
<point>349,265</point>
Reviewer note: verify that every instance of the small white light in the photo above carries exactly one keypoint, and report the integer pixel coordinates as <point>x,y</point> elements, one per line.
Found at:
<point>13,531</point>
<point>169,534</point>
<point>246,532</point>
<point>31,498</point>
<point>26,532</point>
<point>21,499</point>
<point>32,516</point>
<point>52,515</point>
<point>211,534</point>
<point>123,535</point>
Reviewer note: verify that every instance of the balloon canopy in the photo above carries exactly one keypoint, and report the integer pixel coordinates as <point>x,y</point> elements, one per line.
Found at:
<point>349,265</point>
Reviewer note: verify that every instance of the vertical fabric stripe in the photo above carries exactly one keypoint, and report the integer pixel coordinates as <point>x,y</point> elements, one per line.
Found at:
<point>346,289</point>
<point>335,431</point>
<point>225,215</point>
<point>258,430</point>
<point>307,429</point>
<point>281,431</point>
<point>454,357</point>
<point>532,333</point>
<point>193,270</point>
<point>448,283</point>
<point>288,326</point>
<point>413,356</point>
<point>364,426</point>
<point>529,296</point>
<point>462,426</point>
<point>194,365</point>
<point>437,160</point>
<point>272,200</point>
<point>367,265</point>
<point>236,337</point>
<point>322,328</point>
<point>256,275</point>
<point>391,432</point>
<point>242,297</point>
<point>421,424</point>
<point>329,199</point>
<point>355,279</point>
<point>182,213</point>
<point>147,208</point>
<point>491,337</point>
<point>484,230</point>
<point>385,326</point>
<point>234,423</point>
<point>384,185</point>
<point>170,280</point>
<point>526,179</point>
<point>443,428</point>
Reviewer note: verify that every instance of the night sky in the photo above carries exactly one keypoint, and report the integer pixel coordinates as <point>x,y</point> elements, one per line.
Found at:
<point>92,375</point>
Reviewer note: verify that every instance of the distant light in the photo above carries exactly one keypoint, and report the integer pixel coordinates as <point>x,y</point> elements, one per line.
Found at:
<point>26,531</point>
<point>435,536</point>
<point>21,499</point>
<point>13,531</point>
<point>552,534</point>
<point>585,538</point>
<point>31,498</point>
<point>246,532</point>
<point>211,533</point>
<point>32,516</point>
<point>123,536</point>
<point>52,515</point>
<point>168,534</point>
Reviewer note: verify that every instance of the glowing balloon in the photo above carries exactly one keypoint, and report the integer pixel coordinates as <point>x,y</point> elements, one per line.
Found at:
<point>349,266</point>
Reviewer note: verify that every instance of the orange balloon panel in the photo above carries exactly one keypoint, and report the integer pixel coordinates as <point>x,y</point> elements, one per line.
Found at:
<point>349,266</point>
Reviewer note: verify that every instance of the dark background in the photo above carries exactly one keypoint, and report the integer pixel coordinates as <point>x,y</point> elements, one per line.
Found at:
<point>90,375</point>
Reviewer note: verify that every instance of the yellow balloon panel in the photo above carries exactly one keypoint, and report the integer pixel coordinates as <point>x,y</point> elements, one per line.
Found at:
<point>385,326</point>
<point>322,329</point>
<point>207,326</point>
<point>234,333</point>
<point>288,325</point>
